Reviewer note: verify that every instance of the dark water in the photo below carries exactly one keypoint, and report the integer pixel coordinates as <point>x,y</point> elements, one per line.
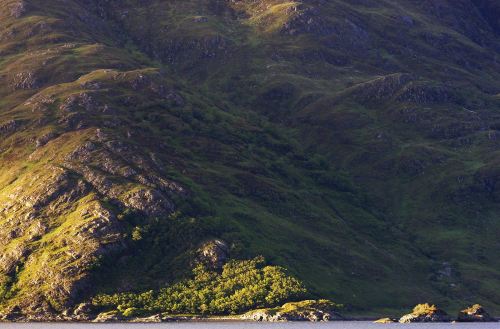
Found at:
<point>247,325</point>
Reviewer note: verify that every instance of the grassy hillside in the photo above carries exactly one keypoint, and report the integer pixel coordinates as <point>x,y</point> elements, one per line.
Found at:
<point>353,143</point>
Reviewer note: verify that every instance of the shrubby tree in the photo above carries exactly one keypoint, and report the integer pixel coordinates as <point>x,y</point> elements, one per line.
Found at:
<point>242,285</point>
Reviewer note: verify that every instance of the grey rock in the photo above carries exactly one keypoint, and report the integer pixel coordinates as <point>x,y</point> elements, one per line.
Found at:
<point>437,316</point>
<point>82,101</point>
<point>9,127</point>
<point>214,254</point>
<point>311,315</point>
<point>149,201</point>
<point>108,317</point>
<point>18,9</point>
<point>25,80</point>
<point>84,312</point>
<point>475,313</point>
<point>42,140</point>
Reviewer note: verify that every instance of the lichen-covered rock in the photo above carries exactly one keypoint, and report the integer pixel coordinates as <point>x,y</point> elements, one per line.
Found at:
<point>83,102</point>
<point>25,80</point>
<point>425,313</point>
<point>475,313</point>
<point>385,320</point>
<point>112,316</point>
<point>214,254</point>
<point>84,312</point>
<point>308,310</point>
<point>149,201</point>
<point>149,319</point>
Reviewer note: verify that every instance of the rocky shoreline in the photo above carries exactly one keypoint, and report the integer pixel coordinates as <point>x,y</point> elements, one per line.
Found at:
<point>158,318</point>
<point>309,310</point>
<point>423,313</point>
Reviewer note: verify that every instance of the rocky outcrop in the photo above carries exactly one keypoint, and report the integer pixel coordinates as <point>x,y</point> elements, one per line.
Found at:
<point>308,310</point>
<point>112,316</point>
<point>44,139</point>
<point>84,312</point>
<point>214,254</point>
<point>425,313</point>
<point>18,9</point>
<point>385,320</point>
<point>149,201</point>
<point>9,127</point>
<point>25,80</point>
<point>475,313</point>
<point>266,316</point>
<point>436,317</point>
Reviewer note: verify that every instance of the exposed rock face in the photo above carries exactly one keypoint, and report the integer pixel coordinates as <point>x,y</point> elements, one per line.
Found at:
<point>475,313</point>
<point>108,317</point>
<point>9,127</point>
<point>214,254</point>
<point>434,317</point>
<point>265,316</point>
<point>425,313</point>
<point>92,232</point>
<point>84,312</point>
<point>18,8</point>
<point>25,80</point>
<point>308,310</point>
<point>42,140</point>
<point>149,201</point>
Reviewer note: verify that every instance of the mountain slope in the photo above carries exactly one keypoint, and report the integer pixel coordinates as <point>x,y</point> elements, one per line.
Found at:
<point>354,143</point>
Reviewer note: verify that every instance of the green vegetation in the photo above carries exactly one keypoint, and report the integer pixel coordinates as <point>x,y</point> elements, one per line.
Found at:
<point>241,286</point>
<point>351,143</point>
<point>422,309</point>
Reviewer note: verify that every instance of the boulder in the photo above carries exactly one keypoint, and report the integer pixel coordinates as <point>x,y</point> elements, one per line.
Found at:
<point>149,319</point>
<point>385,320</point>
<point>149,201</point>
<point>307,310</point>
<point>475,313</point>
<point>214,254</point>
<point>112,316</point>
<point>84,312</point>
<point>425,313</point>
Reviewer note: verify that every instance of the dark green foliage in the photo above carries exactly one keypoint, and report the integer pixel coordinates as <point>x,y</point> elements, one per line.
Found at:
<point>241,286</point>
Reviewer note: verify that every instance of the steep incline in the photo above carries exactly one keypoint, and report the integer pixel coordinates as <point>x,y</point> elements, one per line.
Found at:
<point>354,143</point>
